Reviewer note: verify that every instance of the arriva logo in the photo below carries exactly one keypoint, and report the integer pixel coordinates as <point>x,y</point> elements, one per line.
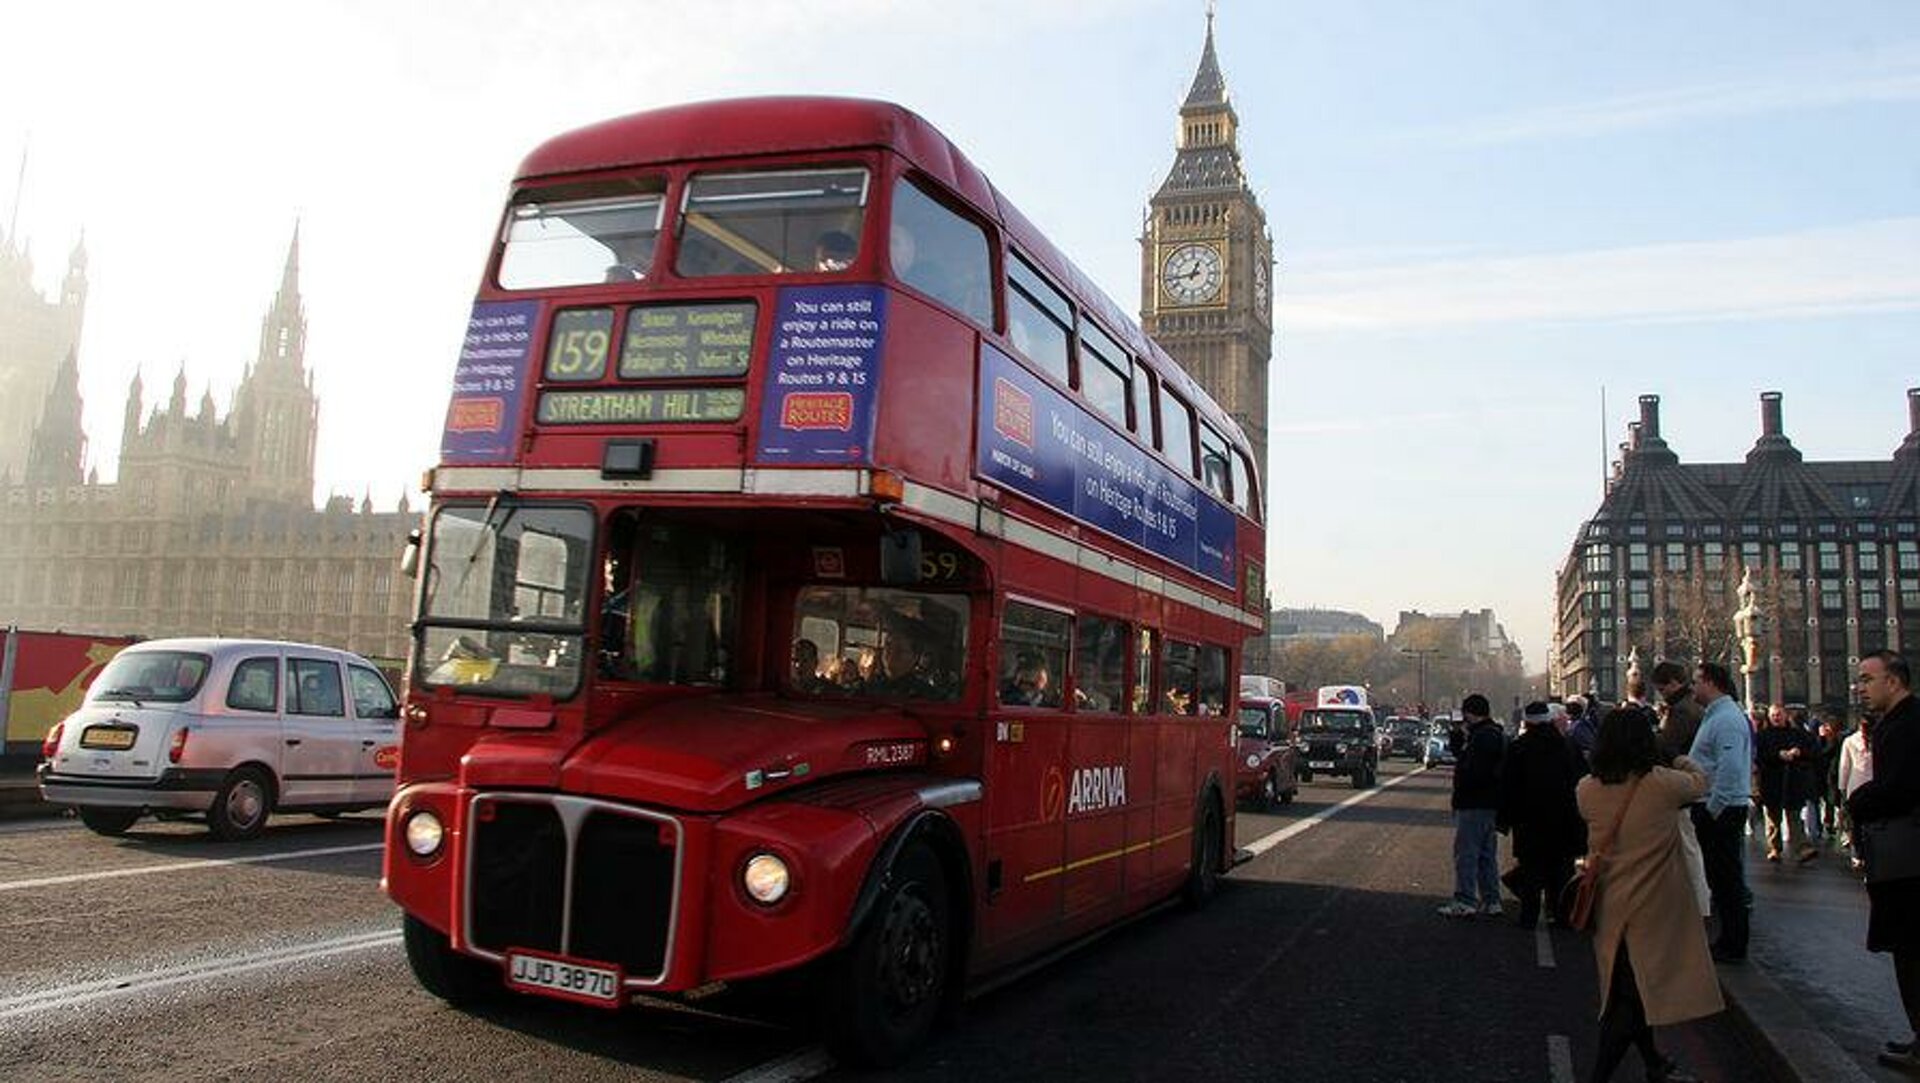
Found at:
<point>1095,788</point>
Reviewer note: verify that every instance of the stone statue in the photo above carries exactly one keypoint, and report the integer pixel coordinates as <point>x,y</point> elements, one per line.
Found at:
<point>1746,622</point>
<point>1633,668</point>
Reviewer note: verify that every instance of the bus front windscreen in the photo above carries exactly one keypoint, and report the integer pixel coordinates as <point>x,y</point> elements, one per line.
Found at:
<point>504,599</point>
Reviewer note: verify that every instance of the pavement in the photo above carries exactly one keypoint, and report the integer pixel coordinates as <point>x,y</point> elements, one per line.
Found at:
<point>1810,992</point>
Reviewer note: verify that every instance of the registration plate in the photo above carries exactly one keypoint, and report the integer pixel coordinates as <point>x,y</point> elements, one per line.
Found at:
<point>109,738</point>
<point>552,976</point>
<point>1321,764</point>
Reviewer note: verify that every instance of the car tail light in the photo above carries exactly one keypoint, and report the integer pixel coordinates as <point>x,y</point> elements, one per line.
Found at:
<point>52,744</point>
<point>179,747</point>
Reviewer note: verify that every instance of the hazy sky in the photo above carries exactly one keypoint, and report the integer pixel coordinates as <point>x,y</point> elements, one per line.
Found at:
<point>1486,211</point>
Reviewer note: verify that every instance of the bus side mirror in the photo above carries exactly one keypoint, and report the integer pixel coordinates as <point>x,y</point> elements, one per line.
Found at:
<point>410,555</point>
<point>900,558</point>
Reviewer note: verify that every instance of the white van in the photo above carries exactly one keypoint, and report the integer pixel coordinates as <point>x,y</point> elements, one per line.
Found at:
<point>231,728</point>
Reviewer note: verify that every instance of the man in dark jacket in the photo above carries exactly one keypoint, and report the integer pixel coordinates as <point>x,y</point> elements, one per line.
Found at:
<point>1893,924</point>
<point>1536,802</point>
<point>1783,756</point>
<point>1476,805</point>
<point>1680,713</point>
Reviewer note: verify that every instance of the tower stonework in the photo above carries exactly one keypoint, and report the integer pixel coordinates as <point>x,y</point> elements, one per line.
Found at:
<point>37,335</point>
<point>1206,270</point>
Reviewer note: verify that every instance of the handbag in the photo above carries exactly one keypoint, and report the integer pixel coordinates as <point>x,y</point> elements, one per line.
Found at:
<point>1890,848</point>
<point>1577,897</point>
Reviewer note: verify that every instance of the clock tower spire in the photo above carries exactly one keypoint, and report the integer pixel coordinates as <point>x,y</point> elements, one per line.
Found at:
<point>1206,266</point>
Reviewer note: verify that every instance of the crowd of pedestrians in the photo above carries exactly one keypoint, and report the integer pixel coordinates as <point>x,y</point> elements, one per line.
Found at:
<point>1658,793</point>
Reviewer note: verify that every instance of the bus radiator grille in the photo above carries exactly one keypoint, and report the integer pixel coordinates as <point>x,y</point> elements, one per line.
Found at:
<point>519,858</point>
<point>623,891</point>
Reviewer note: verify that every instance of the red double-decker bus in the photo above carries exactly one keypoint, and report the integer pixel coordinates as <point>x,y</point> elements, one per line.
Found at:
<point>822,578</point>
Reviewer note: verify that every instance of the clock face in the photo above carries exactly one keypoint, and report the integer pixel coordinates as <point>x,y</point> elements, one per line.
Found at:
<point>1192,274</point>
<point>1259,283</point>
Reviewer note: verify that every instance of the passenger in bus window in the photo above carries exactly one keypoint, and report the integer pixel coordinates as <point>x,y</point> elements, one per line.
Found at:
<point>834,251</point>
<point>846,674</point>
<point>1089,689</point>
<point>1028,684</point>
<point>903,660</point>
<point>632,254</point>
<point>806,667</point>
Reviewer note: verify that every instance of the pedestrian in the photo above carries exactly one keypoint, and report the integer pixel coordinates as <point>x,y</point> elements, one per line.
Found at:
<point>1648,947</point>
<point>1824,771</point>
<point>1784,757</point>
<point>1582,728</point>
<point>1537,779</point>
<point>1476,805</point>
<point>1723,750</point>
<point>1884,685</point>
<point>1856,767</point>
<point>1680,718</point>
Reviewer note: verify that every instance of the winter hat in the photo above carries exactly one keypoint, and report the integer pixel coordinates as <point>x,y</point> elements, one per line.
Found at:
<point>1476,704</point>
<point>1536,713</point>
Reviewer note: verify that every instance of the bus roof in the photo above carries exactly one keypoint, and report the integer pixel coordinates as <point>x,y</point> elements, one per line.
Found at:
<point>739,127</point>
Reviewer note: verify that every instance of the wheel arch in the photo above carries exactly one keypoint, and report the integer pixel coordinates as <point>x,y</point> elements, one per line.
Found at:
<point>943,837</point>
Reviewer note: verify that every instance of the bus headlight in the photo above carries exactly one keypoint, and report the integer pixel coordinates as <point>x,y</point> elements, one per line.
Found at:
<point>424,833</point>
<point>766,879</point>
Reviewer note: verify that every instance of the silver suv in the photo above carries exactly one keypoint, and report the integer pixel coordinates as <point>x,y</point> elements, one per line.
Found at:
<point>232,728</point>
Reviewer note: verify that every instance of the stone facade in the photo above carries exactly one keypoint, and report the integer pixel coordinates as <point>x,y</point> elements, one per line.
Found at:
<point>37,335</point>
<point>1833,549</point>
<point>210,526</point>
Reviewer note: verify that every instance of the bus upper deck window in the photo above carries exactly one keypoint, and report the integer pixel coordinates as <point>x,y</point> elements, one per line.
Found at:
<point>582,234</point>
<point>789,221</point>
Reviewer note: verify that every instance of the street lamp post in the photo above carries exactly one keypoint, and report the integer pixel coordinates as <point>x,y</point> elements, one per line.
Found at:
<point>1422,654</point>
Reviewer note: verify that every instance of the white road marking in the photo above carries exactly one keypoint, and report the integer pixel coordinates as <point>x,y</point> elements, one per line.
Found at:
<point>792,1068</point>
<point>1543,946</point>
<point>1267,842</point>
<point>82,993</point>
<point>1560,1058</point>
<point>182,866</point>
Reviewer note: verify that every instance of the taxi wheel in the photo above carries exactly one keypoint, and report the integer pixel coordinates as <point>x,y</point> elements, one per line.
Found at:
<point>889,986</point>
<point>240,809</point>
<point>111,822</point>
<point>1270,792</point>
<point>455,978</point>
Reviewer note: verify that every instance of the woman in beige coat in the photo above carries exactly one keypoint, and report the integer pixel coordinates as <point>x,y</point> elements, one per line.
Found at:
<point>1649,943</point>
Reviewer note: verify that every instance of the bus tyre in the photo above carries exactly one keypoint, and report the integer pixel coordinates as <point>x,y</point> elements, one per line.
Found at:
<point>240,809</point>
<point>1203,878</point>
<point>444,972</point>
<point>111,822</point>
<point>888,987</point>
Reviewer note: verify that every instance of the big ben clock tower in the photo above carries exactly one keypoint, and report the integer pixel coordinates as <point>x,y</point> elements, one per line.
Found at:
<point>1206,265</point>
<point>1206,260</point>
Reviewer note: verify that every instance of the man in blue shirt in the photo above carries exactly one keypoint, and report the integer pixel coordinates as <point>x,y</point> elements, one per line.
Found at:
<point>1723,748</point>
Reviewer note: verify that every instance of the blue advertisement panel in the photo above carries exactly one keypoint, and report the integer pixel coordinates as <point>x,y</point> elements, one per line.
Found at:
<point>817,396</point>
<point>483,417</point>
<point>1035,440</point>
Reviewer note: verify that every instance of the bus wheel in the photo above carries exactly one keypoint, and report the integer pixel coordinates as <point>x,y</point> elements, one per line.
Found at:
<point>444,972</point>
<point>889,984</point>
<point>111,822</point>
<point>240,810</point>
<point>1203,879</point>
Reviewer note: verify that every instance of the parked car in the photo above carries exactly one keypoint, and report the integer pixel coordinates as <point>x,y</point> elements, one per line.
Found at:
<point>233,729</point>
<point>1268,764</point>
<point>1340,740</point>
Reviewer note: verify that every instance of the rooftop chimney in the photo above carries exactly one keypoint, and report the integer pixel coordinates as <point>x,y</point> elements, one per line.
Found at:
<point>1633,437</point>
<point>1911,445</point>
<point>1773,445</point>
<point>1643,436</point>
<point>1770,414</point>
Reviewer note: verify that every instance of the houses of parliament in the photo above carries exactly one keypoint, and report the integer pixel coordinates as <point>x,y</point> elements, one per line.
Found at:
<point>210,526</point>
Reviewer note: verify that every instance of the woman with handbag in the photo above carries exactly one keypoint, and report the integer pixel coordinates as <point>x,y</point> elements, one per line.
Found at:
<point>1648,944</point>
<point>1886,828</point>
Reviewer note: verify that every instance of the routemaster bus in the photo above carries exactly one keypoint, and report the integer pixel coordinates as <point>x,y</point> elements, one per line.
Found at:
<point>822,579</point>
